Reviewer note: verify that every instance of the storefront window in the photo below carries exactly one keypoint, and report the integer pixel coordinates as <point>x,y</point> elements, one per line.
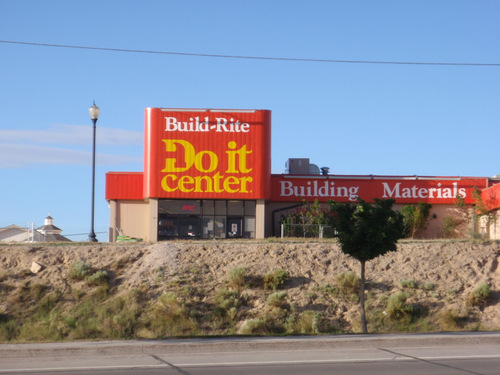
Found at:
<point>205,219</point>
<point>208,230</point>
<point>249,227</point>
<point>220,207</point>
<point>208,207</point>
<point>235,208</point>
<point>168,227</point>
<point>220,227</point>
<point>250,208</point>
<point>180,207</point>
<point>189,227</point>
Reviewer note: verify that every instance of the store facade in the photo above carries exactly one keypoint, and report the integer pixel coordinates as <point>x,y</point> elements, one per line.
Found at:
<point>207,174</point>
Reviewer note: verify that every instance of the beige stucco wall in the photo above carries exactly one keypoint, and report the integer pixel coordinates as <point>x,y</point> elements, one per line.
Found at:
<point>488,226</point>
<point>260,219</point>
<point>153,220</point>
<point>130,218</point>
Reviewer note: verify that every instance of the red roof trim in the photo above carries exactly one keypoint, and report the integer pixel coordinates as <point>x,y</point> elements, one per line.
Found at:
<point>124,185</point>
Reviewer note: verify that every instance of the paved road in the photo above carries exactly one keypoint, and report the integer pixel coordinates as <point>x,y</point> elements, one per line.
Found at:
<point>459,353</point>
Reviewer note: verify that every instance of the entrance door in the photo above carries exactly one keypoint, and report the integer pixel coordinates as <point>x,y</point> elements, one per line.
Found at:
<point>189,227</point>
<point>234,227</point>
<point>168,227</point>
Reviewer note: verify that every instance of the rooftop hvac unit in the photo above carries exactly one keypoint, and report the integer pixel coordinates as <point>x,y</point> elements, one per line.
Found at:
<point>313,169</point>
<point>297,166</point>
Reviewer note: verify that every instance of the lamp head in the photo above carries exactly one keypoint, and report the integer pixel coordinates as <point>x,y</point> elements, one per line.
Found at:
<point>94,112</point>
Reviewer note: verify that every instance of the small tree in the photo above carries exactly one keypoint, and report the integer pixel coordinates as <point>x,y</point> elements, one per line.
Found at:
<point>308,218</point>
<point>415,218</point>
<point>365,232</point>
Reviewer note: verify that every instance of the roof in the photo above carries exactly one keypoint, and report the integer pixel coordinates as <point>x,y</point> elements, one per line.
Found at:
<point>12,226</point>
<point>55,238</point>
<point>49,228</point>
<point>124,185</point>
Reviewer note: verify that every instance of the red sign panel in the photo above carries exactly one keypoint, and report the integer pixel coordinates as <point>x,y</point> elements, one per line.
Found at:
<point>124,185</point>
<point>208,154</point>
<point>438,190</point>
<point>491,197</point>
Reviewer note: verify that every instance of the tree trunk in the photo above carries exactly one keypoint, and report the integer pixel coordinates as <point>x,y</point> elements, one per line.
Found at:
<point>362,298</point>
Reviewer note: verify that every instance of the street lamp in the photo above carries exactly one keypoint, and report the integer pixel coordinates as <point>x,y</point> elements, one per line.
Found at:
<point>94,115</point>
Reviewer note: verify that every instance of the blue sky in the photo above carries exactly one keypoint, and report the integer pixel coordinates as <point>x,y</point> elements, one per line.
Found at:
<point>356,118</point>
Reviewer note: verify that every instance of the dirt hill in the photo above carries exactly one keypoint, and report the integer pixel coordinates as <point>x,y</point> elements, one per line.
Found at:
<point>437,279</point>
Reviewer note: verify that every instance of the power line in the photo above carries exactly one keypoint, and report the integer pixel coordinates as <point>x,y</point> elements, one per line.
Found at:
<point>81,234</point>
<point>252,57</point>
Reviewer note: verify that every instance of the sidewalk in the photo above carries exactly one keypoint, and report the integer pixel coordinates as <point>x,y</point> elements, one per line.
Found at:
<point>241,344</point>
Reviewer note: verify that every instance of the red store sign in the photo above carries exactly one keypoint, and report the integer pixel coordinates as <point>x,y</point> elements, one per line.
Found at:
<point>207,154</point>
<point>439,190</point>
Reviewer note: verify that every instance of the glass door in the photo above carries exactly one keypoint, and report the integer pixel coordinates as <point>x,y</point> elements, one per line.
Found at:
<point>235,227</point>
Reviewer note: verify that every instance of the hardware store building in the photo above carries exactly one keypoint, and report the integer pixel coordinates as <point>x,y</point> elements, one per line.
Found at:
<point>207,174</point>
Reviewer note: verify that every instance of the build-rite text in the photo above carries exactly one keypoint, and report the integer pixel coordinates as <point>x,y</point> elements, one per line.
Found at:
<point>194,124</point>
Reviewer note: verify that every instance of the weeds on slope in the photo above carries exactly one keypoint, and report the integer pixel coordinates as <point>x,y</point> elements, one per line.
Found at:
<point>191,303</point>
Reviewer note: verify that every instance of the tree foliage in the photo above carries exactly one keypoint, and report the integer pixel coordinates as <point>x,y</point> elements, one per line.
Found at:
<point>305,221</point>
<point>366,231</point>
<point>306,214</point>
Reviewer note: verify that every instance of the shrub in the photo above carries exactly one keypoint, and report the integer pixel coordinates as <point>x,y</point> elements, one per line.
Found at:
<point>275,279</point>
<point>112,318</point>
<point>48,303</point>
<point>226,299</point>
<point>348,283</point>
<point>255,327</point>
<point>98,278</point>
<point>263,326</point>
<point>450,225</point>
<point>479,296</point>
<point>171,318</point>
<point>277,299</point>
<point>236,277</point>
<point>79,270</point>
<point>119,318</point>
<point>100,294</point>
<point>29,293</point>
<point>411,284</point>
<point>78,294</point>
<point>429,286</point>
<point>451,319</point>
<point>122,324</point>
<point>398,308</point>
<point>307,322</point>
<point>9,329</point>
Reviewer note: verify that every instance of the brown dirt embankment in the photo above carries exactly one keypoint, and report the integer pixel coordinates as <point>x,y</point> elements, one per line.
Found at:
<point>445,272</point>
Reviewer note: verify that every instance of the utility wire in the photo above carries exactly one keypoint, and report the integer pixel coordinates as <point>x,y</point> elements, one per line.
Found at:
<point>252,57</point>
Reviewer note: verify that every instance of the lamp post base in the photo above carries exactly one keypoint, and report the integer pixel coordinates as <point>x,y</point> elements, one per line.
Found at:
<point>92,237</point>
